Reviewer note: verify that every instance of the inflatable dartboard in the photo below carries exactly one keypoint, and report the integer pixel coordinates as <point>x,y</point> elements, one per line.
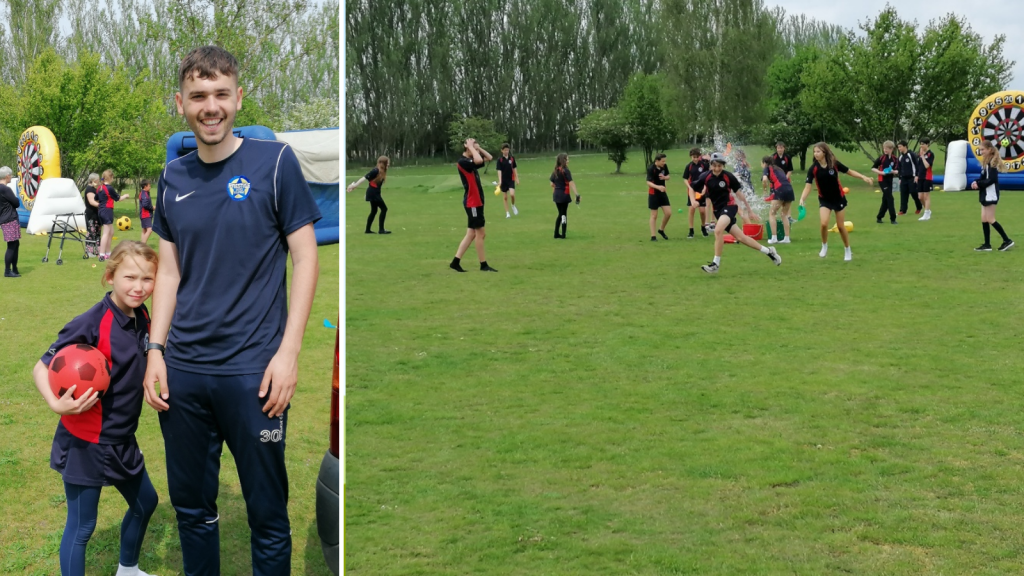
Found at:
<point>38,160</point>
<point>1000,120</point>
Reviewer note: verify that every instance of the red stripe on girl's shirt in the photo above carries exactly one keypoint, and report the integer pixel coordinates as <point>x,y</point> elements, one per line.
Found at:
<point>88,425</point>
<point>473,198</point>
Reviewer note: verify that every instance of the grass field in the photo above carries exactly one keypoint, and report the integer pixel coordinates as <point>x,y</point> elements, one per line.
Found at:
<point>32,508</point>
<point>601,406</point>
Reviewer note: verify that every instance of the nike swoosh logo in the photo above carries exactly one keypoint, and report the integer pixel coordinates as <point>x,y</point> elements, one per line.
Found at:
<point>179,196</point>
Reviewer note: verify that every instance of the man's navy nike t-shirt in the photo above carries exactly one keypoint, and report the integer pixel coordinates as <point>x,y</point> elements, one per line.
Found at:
<point>229,221</point>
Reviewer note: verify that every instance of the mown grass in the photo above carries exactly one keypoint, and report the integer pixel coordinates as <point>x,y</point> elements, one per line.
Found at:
<point>32,508</point>
<point>600,406</point>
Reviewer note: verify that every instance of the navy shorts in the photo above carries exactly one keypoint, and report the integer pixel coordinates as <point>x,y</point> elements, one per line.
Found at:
<point>657,200</point>
<point>783,195</point>
<point>106,215</point>
<point>475,218</point>
<point>508,185</point>
<point>924,186</point>
<point>729,211</point>
<point>833,205</point>
<point>88,464</point>
<point>147,222</point>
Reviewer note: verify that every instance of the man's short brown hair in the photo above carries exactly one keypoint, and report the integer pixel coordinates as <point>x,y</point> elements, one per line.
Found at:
<point>207,62</point>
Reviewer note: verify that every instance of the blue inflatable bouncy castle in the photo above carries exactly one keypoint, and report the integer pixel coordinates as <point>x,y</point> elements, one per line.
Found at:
<point>319,156</point>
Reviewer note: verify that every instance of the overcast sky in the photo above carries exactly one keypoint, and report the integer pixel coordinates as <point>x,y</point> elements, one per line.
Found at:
<point>986,18</point>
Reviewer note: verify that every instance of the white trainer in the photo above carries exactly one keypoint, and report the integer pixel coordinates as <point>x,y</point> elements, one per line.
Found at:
<point>774,255</point>
<point>848,256</point>
<point>514,211</point>
<point>824,251</point>
<point>772,241</point>
<point>507,215</point>
<point>784,240</point>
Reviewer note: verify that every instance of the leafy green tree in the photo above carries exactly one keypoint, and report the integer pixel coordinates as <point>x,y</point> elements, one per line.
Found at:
<point>481,129</point>
<point>609,130</point>
<point>644,108</point>
<point>957,70</point>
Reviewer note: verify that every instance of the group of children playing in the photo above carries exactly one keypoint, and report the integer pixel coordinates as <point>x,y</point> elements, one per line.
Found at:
<point>708,181</point>
<point>100,196</point>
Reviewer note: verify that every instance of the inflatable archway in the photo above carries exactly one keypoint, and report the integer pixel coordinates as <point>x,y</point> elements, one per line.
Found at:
<point>319,156</point>
<point>38,159</point>
<point>998,118</point>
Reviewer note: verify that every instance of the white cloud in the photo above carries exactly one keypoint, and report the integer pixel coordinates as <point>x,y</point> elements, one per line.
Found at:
<point>987,20</point>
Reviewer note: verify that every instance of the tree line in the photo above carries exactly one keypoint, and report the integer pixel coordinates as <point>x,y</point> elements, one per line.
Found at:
<point>554,75</point>
<point>104,83</point>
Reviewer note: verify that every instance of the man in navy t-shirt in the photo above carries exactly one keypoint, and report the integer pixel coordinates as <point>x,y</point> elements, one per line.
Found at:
<point>227,216</point>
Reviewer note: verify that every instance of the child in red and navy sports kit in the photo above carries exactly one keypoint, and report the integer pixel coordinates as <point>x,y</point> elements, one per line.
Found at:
<point>508,177</point>
<point>95,445</point>
<point>824,173</point>
<point>106,195</point>
<point>562,183</point>
<point>987,186</point>
<point>910,171</point>
<point>695,169</point>
<point>376,179</point>
<point>885,166</point>
<point>783,160</point>
<point>657,195</point>
<point>782,196</point>
<point>473,156</point>
<point>145,210</point>
<point>924,185</point>
<point>720,188</point>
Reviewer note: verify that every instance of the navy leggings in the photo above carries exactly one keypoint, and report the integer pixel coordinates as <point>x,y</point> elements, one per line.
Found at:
<point>82,508</point>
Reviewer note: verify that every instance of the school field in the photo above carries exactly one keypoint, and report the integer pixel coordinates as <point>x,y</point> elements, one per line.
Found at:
<point>601,406</point>
<point>32,508</point>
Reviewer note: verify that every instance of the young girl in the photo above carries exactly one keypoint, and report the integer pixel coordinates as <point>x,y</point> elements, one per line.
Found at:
<point>145,210</point>
<point>697,167</point>
<point>720,188</point>
<point>782,196</point>
<point>376,178</point>
<point>92,216</point>
<point>824,173</point>
<point>106,195</point>
<point>561,181</point>
<point>885,166</point>
<point>94,445</point>
<point>988,194</point>
<point>657,195</point>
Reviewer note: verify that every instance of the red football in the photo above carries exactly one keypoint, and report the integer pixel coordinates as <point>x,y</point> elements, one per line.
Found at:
<point>79,364</point>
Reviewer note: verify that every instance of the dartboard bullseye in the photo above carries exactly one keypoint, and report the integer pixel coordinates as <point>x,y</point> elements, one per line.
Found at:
<point>1000,120</point>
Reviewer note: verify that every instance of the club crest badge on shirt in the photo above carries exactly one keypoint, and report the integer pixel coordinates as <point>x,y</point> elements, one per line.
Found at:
<point>238,188</point>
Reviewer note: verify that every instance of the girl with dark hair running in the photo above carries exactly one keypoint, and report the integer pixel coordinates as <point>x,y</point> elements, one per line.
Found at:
<point>376,178</point>
<point>824,173</point>
<point>988,195</point>
<point>561,181</point>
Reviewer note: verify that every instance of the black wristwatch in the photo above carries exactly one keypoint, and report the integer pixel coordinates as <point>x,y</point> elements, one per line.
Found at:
<point>155,346</point>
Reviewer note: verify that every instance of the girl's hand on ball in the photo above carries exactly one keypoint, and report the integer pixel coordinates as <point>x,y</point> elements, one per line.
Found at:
<point>66,405</point>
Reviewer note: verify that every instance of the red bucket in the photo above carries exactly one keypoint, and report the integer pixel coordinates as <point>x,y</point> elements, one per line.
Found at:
<point>755,231</point>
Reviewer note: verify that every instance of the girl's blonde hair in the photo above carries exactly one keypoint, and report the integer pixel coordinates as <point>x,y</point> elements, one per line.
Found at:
<point>108,173</point>
<point>994,161</point>
<point>830,156</point>
<point>123,250</point>
<point>888,144</point>
<point>382,170</point>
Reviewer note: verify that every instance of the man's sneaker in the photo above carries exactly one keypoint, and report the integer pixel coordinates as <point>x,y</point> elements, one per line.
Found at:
<point>785,240</point>
<point>662,232</point>
<point>690,235</point>
<point>515,212</point>
<point>486,268</point>
<point>824,252</point>
<point>710,268</point>
<point>507,215</point>
<point>1006,246</point>
<point>774,255</point>
<point>984,248</point>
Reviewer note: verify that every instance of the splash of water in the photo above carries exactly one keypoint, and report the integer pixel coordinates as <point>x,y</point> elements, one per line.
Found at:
<point>749,179</point>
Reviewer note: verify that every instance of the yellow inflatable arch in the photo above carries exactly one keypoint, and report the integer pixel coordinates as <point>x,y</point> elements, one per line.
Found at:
<point>38,160</point>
